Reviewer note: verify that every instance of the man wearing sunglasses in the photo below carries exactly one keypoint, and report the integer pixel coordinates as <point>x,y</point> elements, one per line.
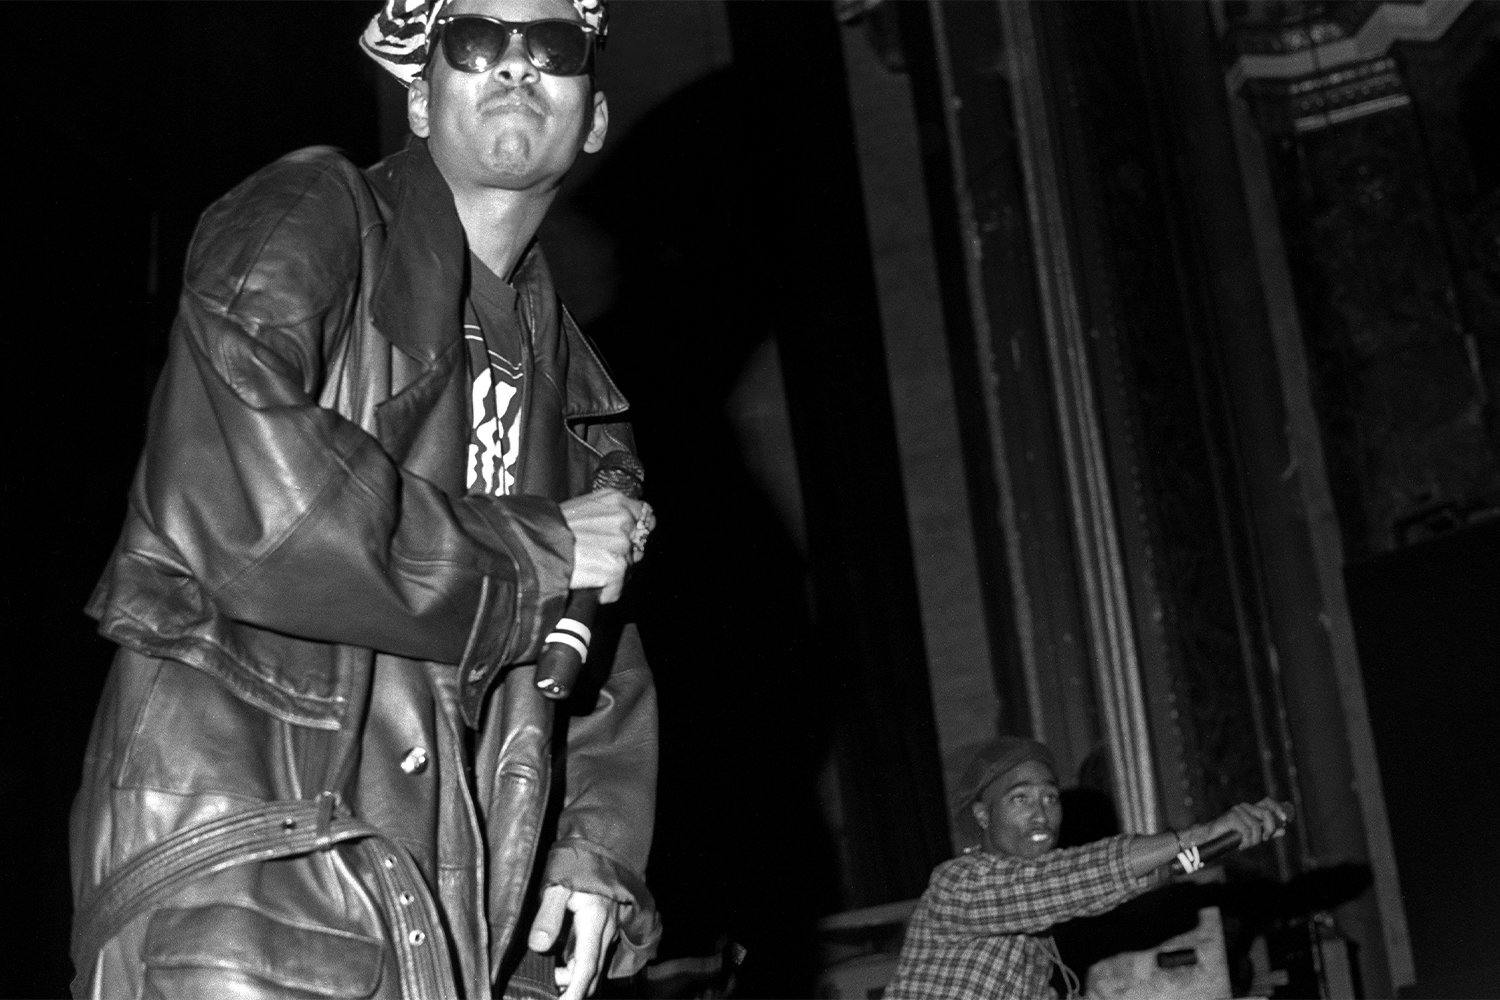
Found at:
<point>322,766</point>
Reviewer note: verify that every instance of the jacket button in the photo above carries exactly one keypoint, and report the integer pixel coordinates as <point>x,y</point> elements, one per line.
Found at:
<point>415,761</point>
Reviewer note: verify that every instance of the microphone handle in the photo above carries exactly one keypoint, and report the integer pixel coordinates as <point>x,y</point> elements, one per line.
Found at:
<point>567,645</point>
<point>1194,858</point>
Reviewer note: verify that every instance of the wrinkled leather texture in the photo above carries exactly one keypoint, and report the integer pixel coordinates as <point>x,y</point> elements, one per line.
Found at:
<point>299,550</point>
<point>241,951</point>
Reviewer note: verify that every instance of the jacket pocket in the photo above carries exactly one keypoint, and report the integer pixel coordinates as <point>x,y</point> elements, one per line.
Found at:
<point>225,950</point>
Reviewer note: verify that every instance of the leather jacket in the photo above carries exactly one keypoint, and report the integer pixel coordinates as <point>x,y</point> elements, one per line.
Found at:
<point>310,609</point>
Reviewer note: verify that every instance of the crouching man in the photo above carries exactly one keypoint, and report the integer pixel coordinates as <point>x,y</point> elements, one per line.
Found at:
<point>980,929</point>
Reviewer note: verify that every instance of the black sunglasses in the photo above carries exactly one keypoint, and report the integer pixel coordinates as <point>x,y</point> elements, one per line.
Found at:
<point>473,43</point>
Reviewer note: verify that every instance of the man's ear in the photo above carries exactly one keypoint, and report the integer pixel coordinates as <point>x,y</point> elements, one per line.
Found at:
<point>981,815</point>
<point>416,108</point>
<point>595,139</point>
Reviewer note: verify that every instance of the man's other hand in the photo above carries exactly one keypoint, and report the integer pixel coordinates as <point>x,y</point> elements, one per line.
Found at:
<point>601,522</point>
<point>594,926</point>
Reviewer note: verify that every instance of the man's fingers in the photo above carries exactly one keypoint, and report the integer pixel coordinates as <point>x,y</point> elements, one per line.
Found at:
<point>588,946</point>
<point>1267,818</point>
<point>1231,822</point>
<point>1267,821</point>
<point>1253,822</point>
<point>1258,822</point>
<point>606,940</point>
<point>613,502</point>
<point>645,523</point>
<point>1282,812</point>
<point>603,524</point>
<point>549,918</point>
<point>1239,820</point>
<point>1251,829</point>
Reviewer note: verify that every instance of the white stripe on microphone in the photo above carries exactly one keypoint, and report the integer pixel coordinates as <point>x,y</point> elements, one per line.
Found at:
<point>577,628</point>
<point>572,632</point>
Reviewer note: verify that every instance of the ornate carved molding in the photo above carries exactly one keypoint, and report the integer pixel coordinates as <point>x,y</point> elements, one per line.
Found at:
<point>1307,66</point>
<point>1316,102</point>
<point>1289,40</point>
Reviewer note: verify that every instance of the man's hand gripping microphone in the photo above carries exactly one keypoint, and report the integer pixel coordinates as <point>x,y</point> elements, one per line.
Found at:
<point>1192,858</point>
<point>567,645</point>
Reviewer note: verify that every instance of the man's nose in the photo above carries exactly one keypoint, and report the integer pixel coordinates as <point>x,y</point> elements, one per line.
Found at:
<point>513,66</point>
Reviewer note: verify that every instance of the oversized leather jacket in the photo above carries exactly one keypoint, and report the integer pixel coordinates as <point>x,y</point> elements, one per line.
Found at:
<point>299,534</point>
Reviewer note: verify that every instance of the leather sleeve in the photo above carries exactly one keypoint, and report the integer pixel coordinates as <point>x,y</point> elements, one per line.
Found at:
<point>604,830</point>
<point>294,519</point>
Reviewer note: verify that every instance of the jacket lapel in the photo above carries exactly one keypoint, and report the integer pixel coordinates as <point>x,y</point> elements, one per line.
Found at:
<point>568,385</point>
<point>418,298</point>
<point>417,308</point>
<point>562,353</point>
<point>424,426</point>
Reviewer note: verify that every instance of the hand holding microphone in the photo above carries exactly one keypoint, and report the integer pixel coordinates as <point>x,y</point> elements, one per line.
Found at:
<point>602,522</point>
<point>1245,825</point>
<point>609,528</point>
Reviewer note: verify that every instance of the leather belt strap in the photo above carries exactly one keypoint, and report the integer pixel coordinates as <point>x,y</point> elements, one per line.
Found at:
<point>275,830</point>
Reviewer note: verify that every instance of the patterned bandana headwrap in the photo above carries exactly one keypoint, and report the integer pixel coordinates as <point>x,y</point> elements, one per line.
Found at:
<point>396,36</point>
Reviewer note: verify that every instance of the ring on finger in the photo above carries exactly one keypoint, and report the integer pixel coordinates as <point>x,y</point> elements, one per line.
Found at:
<point>642,530</point>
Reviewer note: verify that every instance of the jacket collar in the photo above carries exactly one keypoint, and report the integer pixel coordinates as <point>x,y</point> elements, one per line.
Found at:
<point>418,297</point>
<point>591,392</point>
<point>417,302</point>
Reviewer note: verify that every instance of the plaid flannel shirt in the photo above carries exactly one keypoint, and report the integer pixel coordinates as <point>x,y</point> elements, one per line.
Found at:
<point>977,932</point>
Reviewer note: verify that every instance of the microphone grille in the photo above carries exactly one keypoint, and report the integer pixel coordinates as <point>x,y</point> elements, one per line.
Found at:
<point>620,470</point>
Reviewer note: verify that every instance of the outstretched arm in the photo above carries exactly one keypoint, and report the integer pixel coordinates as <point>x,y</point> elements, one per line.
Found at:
<point>984,893</point>
<point>1254,823</point>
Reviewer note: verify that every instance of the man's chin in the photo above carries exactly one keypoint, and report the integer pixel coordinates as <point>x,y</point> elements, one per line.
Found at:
<point>510,158</point>
<point>515,172</point>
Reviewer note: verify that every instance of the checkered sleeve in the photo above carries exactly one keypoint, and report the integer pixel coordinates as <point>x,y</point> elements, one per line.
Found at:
<point>985,894</point>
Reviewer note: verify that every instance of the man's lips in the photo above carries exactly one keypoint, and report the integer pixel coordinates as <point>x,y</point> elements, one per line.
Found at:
<point>511,103</point>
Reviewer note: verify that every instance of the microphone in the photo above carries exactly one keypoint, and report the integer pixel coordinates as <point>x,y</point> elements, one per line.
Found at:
<point>1192,859</point>
<point>567,645</point>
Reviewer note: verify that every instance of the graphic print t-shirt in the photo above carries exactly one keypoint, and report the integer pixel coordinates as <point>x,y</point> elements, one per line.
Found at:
<point>492,334</point>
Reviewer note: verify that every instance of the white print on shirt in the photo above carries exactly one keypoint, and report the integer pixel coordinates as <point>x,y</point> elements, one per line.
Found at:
<point>495,403</point>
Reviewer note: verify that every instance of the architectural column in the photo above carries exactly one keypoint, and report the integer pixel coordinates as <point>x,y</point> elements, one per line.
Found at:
<point>960,661</point>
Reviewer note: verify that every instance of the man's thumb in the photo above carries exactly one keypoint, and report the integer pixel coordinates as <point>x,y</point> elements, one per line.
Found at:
<point>549,918</point>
